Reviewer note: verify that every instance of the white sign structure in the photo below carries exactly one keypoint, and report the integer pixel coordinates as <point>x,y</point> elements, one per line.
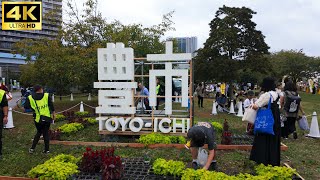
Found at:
<point>168,72</point>
<point>116,63</point>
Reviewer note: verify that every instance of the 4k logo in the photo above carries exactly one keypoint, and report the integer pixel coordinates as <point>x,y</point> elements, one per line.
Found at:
<point>21,16</point>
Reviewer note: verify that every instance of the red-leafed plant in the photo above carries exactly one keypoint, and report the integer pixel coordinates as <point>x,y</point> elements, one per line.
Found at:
<point>69,114</point>
<point>93,161</point>
<point>112,168</point>
<point>54,134</point>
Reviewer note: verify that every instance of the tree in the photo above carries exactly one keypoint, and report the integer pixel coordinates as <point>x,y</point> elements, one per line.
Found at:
<point>293,63</point>
<point>233,45</point>
<point>70,60</point>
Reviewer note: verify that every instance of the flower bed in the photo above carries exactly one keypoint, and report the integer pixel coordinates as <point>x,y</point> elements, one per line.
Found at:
<point>60,167</point>
<point>103,162</point>
<point>177,168</point>
<point>75,124</point>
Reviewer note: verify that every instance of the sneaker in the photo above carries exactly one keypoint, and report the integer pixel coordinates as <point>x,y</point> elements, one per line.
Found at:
<point>213,166</point>
<point>295,135</point>
<point>195,165</point>
<point>45,152</point>
<point>31,151</point>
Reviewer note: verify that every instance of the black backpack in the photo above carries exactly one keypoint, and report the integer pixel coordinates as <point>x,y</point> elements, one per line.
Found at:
<point>162,90</point>
<point>292,102</point>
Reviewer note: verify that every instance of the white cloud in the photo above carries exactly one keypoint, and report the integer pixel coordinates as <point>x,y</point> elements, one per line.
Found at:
<point>287,24</point>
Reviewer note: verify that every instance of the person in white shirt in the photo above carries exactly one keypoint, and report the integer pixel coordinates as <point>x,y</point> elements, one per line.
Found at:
<point>266,147</point>
<point>246,104</point>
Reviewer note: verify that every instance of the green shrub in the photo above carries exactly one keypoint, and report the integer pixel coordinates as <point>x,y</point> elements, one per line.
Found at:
<point>91,120</point>
<point>217,126</point>
<point>59,167</point>
<point>71,127</point>
<point>164,167</point>
<point>157,138</point>
<point>275,172</point>
<point>60,117</point>
<point>81,114</point>
<point>262,171</point>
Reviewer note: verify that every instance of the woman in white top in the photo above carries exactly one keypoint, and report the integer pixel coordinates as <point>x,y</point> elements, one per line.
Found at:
<point>266,147</point>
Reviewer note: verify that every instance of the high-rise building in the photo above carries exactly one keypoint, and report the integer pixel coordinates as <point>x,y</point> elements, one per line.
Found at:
<point>187,44</point>
<point>10,62</point>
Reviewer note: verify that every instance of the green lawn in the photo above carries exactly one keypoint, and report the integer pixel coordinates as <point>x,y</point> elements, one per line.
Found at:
<point>302,153</point>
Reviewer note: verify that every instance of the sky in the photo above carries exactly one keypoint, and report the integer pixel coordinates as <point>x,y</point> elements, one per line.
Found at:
<point>286,24</point>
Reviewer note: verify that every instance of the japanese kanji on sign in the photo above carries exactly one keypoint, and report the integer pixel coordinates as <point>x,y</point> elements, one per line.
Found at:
<point>122,111</point>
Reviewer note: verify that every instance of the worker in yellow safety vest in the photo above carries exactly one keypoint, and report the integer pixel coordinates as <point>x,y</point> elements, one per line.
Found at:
<point>3,115</point>
<point>43,114</point>
<point>158,93</point>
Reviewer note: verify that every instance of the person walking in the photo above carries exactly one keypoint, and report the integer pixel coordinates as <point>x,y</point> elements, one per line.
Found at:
<point>266,147</point>
<point>200,93</point>
<point>43,114</point>
<point>3,115</point>
<point>145,99</point>
<point>290,106</point>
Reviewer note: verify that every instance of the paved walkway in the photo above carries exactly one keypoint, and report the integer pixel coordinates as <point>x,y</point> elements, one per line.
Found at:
<point>15,97</point>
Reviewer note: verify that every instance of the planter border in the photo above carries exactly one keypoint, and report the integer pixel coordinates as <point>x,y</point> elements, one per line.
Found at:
<point>288,166</point>
<point>152,146</point>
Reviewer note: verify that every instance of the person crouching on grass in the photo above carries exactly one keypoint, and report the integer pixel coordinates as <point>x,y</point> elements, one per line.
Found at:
<point>200,134</point>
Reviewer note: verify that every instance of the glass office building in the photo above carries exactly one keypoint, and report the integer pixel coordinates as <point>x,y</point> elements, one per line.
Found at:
<point>9,62</point>
<point>187,44</point>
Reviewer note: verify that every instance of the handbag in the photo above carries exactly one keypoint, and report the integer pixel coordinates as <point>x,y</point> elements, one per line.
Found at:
<point>43,118</point>
<point>264,120</point>
<point>202,157</point>
<point>303,123</point>
<point>249,115</point>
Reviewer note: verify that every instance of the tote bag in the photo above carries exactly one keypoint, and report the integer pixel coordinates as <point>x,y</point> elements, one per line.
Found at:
<point>264,120</point>
<point>249,115</point>
<point>202,156</point>
<point>303,123</point>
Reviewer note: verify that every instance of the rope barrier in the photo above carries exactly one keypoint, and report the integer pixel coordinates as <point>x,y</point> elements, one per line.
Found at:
<point>68,109</point>
<point>88,106</point>
<point>75,95</point>
<point>21,112</point>
<point>308,115</point>
<point>57,112</point>
<point>56,95</point>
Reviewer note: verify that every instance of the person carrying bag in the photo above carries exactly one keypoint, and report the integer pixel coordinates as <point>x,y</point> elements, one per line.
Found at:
<point>264,121</point>
<point>43,114</point>
<point>266,144</point>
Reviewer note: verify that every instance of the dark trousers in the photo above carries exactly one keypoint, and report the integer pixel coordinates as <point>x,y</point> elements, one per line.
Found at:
<point>42,129</point>
<point>289,126</point>
<point>158,102</point>
<point>1,127</point>
<point>200,101</point>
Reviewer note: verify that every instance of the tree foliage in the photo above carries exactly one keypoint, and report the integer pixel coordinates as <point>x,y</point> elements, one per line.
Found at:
<point>71,58</point>
<point>294,63</point>
<point>233,45</point>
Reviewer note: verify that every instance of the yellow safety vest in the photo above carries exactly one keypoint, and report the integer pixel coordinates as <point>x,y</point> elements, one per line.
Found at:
<point>43,106</point>
<point>157,89</point>
<point>2,92</point>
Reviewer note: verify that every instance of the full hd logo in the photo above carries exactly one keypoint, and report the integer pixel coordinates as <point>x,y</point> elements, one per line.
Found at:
<point>21,16</point>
